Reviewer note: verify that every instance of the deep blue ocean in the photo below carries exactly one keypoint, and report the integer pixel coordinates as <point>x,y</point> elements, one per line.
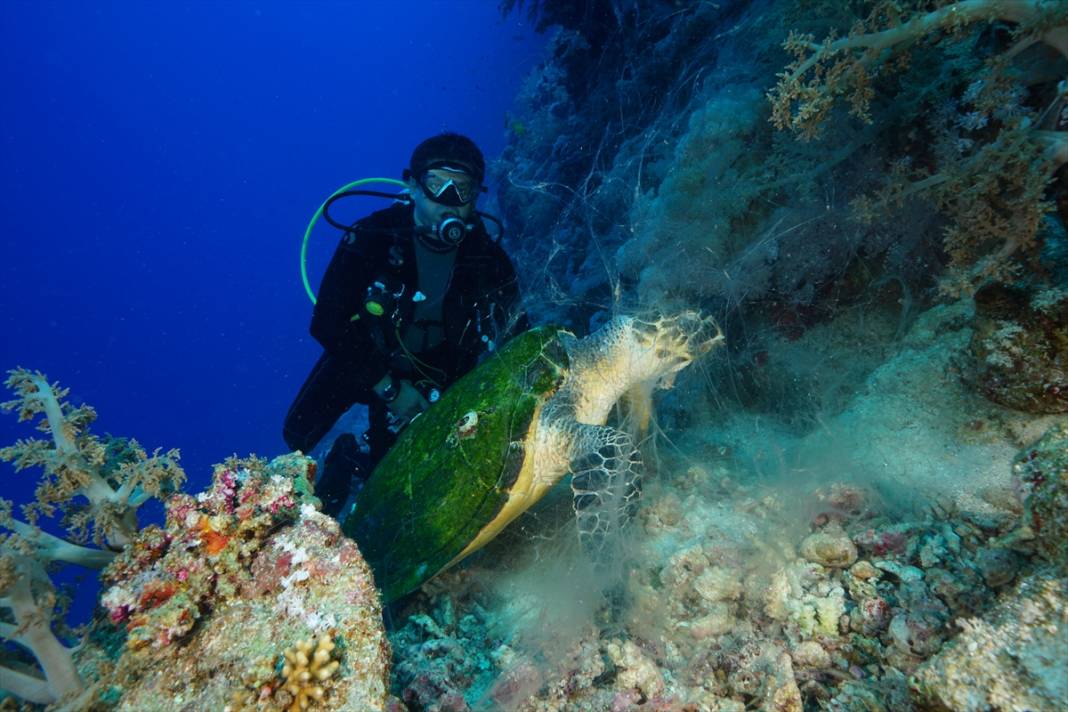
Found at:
<point>160,162</point>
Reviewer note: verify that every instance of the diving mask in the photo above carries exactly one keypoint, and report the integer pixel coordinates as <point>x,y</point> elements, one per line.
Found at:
<point>450,186</point>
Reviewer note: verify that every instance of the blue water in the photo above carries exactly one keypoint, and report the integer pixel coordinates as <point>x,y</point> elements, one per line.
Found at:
<point>160,162</point>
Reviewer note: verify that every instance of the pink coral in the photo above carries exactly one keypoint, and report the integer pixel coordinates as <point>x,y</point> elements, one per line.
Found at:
<point>202,552</point>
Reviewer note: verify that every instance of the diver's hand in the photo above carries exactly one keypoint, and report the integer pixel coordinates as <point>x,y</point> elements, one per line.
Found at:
<point>408,403</point>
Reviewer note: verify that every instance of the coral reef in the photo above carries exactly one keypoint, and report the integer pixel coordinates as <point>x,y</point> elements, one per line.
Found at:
<point>1013,658</point>
<point>98,487</point>
<point>242,575</point>
<point>1019,348</point>
<point>214,610</point>
<point>993,161</point>
<point>824,593</point>
<point>691,195</point>
<point>1041,476</point>
<point>722,612</point>
<point>857,510</point>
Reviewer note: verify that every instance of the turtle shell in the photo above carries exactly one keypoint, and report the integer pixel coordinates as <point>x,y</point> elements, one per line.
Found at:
<point>452,468</point>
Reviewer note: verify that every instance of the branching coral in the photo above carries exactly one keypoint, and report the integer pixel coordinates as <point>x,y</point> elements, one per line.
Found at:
<point>845,67</point>
<point>997,154</point>
<point>75,464</point>
<point>308,667</point>
<point>29,595</point>
<point>307,670</point>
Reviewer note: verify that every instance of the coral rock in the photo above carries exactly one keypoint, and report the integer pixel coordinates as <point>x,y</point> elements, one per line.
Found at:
<point>636,670</point>
<point>1018,348</point>
<point>1041,474</point>
<point>830,547</point>
<point>222,615</point>
<point>811,654</point>
<point>1012,659</point>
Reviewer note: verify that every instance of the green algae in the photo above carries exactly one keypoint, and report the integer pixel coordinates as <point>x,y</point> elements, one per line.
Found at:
<point>451,470</point>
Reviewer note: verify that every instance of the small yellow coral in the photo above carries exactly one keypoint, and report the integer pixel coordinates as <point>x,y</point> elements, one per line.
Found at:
<point>309,666</point>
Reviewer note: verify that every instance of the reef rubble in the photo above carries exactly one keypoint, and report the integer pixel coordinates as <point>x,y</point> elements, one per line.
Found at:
<point>937,586</point>
<point>885,614</point>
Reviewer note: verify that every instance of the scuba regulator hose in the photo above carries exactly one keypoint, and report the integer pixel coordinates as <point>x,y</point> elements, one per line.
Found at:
<point>339,193</point>
<point>347,190</point>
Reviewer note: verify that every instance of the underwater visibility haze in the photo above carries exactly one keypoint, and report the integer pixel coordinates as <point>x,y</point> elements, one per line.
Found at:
<point>790,431</point>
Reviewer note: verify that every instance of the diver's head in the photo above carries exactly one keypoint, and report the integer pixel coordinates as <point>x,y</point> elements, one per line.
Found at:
<point>445,178</point>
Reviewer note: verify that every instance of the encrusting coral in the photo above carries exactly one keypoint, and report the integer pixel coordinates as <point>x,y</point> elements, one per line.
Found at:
<point>246,571</point>
<point>94,491</point>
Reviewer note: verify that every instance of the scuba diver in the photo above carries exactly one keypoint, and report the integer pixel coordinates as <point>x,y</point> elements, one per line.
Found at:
<point>413,297</point>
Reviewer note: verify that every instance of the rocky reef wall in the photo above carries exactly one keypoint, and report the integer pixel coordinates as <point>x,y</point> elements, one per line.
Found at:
<point>869,197</point>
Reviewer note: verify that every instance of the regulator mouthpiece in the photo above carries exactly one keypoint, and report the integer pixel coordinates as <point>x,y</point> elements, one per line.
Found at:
<point>452,230</point>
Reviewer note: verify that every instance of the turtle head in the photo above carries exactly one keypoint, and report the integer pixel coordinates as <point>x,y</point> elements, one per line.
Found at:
<point>633,356</point>
<point>674,342</point>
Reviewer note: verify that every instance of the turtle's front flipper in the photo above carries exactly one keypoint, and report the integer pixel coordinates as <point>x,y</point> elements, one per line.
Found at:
<point>606,474</point>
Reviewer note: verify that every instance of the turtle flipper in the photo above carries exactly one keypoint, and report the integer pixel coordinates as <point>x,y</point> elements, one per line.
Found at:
<point>606,475</point>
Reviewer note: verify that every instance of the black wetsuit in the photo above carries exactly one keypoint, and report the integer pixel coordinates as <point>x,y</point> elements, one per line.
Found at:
<point>479,311</point>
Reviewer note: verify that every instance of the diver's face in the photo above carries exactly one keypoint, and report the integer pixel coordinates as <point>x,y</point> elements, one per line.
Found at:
<point>451,187</point>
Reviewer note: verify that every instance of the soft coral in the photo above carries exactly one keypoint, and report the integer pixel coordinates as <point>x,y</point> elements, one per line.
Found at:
<point>91,491</point>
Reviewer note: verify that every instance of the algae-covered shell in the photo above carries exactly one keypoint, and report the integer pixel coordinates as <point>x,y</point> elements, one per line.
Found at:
<point>455,465</point>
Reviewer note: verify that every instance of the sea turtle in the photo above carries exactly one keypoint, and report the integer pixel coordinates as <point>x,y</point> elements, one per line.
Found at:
<point>508,431</point>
